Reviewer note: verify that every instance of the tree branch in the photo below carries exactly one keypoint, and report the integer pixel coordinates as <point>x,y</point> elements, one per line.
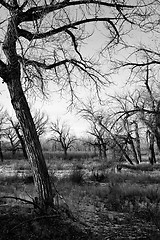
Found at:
<point>74,43</point>
<point>37,12</point>
<point>8,6</point>
<point>30,36</point>
<point>42,65</point>
<point>149,89</point>
<point>82,66</point>
<point>134,64</point>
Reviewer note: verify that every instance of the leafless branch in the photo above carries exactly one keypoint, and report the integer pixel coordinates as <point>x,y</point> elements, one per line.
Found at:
<point>30,36</point>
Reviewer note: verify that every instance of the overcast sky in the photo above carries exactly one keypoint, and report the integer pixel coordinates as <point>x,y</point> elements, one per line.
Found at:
<point>56,107</point>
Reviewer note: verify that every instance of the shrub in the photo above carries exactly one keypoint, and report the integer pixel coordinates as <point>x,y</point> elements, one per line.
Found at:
<point>115,199</point>
<point>153,195</point>
<point>28,179</point>
<point>97,175</point>
<point>77,174</point>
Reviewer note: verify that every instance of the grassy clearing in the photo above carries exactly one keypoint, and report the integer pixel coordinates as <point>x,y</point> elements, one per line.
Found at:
<point>137,194</point>
<point>104,198</point>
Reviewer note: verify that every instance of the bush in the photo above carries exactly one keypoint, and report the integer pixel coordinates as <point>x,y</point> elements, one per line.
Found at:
<point>97,175</point>
<point>115,199</point>
<point>77,174</point>
<point>28,179</point>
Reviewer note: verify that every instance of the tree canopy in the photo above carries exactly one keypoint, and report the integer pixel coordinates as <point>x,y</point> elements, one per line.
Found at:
<point>48,39</point>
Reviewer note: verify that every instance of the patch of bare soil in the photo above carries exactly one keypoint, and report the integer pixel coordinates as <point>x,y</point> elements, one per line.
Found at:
<point>110,225</point>
<point>19,223</point>
<point>121,226</point>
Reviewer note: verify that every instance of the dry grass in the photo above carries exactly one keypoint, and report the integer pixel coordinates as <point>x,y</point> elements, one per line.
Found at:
<point>133,192</point>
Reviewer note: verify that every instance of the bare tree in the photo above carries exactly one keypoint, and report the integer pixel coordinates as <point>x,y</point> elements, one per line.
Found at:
<point>61,133</point>
<point>96,130</point>
<point>16,126</point>
<point>41,40</point>
<point>119,139</point>
<point>17,142</point>
<point>142,63</point>
<point>40,120</point>
<point>10,135</point>
<point>129,123</point>
<point>146,107</point>
<point>102,129</point>
<point>88,144</point>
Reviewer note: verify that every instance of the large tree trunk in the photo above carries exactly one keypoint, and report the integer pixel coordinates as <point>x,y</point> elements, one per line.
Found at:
<point>33,146</point>
<point>12,77</point>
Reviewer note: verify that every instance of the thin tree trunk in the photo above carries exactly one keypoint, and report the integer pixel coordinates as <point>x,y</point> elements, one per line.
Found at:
<point>117,143</point>
<point>104,150</point>
<point>65,153</point>
<point>157,134</point>
<point>13,149</point>
<point>138,143</point>
<point>133,149</point>
<point>99,150</point>
<point>1,153</point>
<point>151,140</point>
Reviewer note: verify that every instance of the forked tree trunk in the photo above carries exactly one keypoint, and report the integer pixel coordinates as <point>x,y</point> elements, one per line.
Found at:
<point>11,74</point>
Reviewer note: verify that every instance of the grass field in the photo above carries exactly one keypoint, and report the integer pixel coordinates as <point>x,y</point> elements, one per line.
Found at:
<point>104,204</point>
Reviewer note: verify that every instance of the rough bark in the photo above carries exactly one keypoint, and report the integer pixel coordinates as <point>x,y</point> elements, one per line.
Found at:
<point>11,75</point>
<point>33,147</point>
